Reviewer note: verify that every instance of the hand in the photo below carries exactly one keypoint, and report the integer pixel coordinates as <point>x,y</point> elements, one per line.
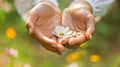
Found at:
<point>79,19</point>
<point>41,22</point>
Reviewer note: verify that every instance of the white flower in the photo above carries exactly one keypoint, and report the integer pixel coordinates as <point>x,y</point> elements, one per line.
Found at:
<point>62,32</point>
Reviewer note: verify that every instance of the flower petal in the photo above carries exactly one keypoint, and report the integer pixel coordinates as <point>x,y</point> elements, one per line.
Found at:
<point>66,29</point>
<point>58,29</point>
<point>69,33</point>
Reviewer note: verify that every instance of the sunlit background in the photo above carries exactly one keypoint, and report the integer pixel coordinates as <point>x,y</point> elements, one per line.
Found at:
<point>19,49</point>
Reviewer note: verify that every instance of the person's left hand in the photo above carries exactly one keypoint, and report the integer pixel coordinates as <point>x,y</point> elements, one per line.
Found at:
<point>78,17</point>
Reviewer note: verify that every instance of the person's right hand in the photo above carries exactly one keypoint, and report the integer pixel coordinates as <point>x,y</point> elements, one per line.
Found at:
<point>41,22</point>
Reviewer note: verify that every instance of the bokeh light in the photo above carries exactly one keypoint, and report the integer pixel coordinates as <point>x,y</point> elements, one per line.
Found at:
<point>73,57</point>
<point>11,33</point>
<point>95,58</point>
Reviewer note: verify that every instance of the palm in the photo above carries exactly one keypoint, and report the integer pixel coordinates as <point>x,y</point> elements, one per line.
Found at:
<point>47,20</point>
<point>76,21</point>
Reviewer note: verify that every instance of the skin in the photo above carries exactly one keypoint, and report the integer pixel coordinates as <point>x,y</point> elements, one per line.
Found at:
<point>44,17</point>
<point>78,17</point>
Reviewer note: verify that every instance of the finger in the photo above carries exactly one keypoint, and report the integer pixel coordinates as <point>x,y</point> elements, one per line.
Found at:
<point>30,28</point>
<point>72,46</point>
<point>60,48</point>
<point>50,44</point>
<point>74,34</point>
<point>31,19</point>
<point>90,26</point>
<point>54,38</point>
<point>78,40</point>
<point>64,41</point>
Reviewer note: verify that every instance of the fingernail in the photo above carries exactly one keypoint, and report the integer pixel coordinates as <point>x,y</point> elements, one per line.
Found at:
<point>30,30</point>
<point>71,41</point>
<point>90,37</point>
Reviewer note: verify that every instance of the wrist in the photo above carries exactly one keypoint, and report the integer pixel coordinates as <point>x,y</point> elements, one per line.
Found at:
<point>54,2</point>
<point>83,4</point>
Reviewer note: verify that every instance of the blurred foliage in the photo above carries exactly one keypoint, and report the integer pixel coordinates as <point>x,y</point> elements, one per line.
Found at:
<point>10,1</point>
<point>101,51</point>
<point>2,15</point>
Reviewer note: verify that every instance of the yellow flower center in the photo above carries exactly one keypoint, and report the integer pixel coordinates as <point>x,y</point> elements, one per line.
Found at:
<point>62,34</point>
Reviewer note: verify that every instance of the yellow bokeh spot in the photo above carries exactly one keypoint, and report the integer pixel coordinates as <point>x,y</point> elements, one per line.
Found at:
<point>11,33</point>
<point>95,58</point>
<point>83,45</point>
<point>73,57</point>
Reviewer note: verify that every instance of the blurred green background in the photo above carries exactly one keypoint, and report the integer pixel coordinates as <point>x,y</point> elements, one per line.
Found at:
<point>19,49</point>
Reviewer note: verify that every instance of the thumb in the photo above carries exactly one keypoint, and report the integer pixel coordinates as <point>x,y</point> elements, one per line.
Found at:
<point>90,27</point>
<point>89,33</point>
<point>31,19</point>
<point>30,27</point>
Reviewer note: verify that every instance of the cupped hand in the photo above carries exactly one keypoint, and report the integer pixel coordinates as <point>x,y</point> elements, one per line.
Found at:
<point>78,17</point>
<point>41,22</point>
